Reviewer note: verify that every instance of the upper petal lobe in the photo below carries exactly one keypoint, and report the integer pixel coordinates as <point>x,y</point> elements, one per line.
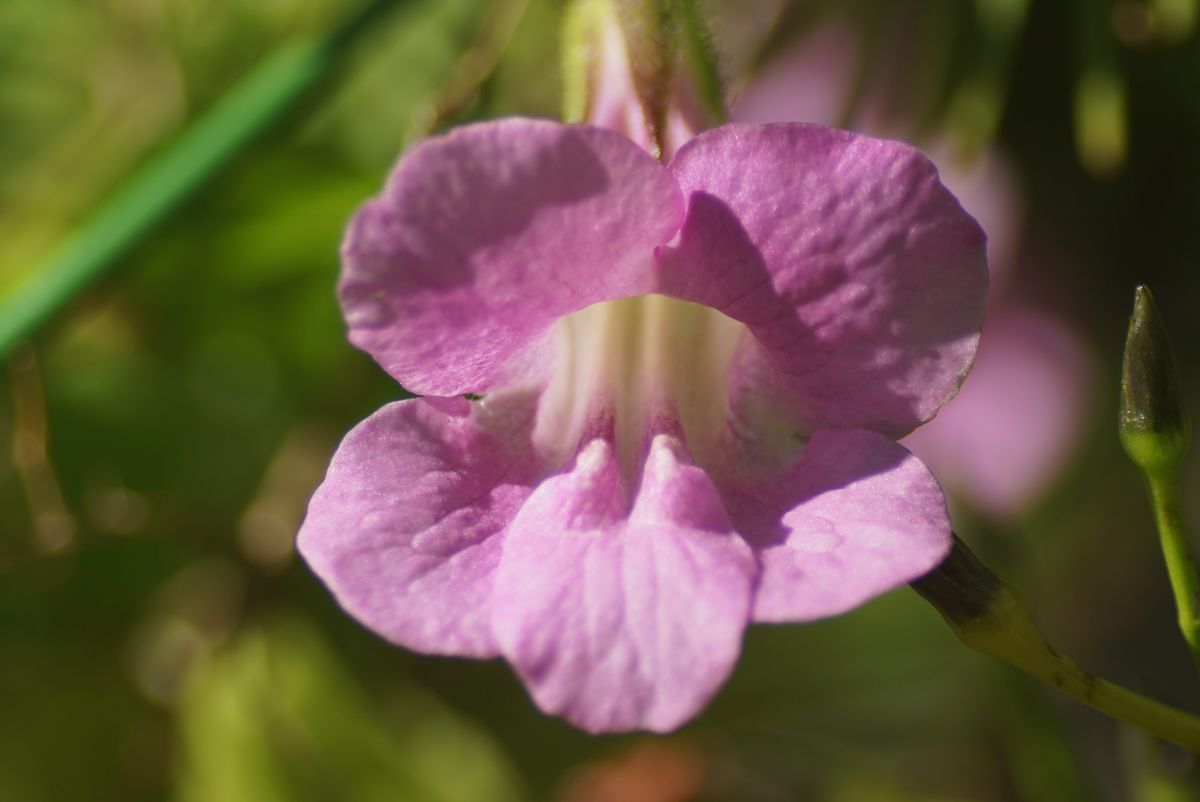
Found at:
<point>487,235</point>
<point>860,277</point>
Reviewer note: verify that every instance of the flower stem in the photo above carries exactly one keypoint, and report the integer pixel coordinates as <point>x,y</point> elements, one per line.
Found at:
<point>1163,488</point>
<point>158,188</point>
<point>988,617</point>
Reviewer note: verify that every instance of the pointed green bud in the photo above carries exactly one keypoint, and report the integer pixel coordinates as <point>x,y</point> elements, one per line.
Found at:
<point>647,56</point>
<point>1154,425</point>
<point>651,41</point>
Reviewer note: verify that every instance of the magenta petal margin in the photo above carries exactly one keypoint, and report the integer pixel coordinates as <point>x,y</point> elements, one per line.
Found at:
<point>640,481</point>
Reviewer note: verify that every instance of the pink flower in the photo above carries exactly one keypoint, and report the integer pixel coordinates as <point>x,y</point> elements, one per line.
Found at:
<point>692,379</point>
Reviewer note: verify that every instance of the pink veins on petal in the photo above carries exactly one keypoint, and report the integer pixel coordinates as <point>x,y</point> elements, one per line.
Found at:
<point>691,375</point>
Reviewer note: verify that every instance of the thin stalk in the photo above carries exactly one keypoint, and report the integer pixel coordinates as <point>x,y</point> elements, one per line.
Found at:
<point>987,616</point>
<point>1163,488</point>
<point>146,198</point>
<point>1036,657</point>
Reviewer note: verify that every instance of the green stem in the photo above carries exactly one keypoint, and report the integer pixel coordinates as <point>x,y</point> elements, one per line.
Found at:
<point>1163,487</point>
<point>988,617</point>
<point>1030,653</point>
<point>148,196</point>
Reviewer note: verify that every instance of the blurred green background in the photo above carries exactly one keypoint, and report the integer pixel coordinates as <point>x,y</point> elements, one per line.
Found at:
<point>160,437</point>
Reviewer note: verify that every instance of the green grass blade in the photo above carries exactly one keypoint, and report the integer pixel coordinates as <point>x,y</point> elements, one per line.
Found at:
<point>147,197</point>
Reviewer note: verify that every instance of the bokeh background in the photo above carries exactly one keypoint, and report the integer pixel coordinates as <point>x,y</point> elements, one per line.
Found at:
<point>159,438</point>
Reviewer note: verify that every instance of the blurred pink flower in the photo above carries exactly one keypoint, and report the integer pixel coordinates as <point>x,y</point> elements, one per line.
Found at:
<point>691,375</point>
<point>1008,433</point>
<point>1011,430</point>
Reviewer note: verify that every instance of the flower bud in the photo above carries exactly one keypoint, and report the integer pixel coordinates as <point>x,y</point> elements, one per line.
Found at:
<point>1154,423</point>
<point>622,53</point>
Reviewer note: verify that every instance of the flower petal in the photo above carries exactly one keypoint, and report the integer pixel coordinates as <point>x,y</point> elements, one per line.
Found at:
<point>620,618</point>
<point>406,529</point>
<point>860,277</point>
<point>856,515</point>
<point>487,235</point>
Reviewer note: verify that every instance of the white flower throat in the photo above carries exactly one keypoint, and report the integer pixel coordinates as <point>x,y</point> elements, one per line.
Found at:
<point>642,361</point>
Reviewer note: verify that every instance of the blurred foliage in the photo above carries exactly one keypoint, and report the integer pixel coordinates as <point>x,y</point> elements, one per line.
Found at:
<point>158,638</point>
<point>274,717</point>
